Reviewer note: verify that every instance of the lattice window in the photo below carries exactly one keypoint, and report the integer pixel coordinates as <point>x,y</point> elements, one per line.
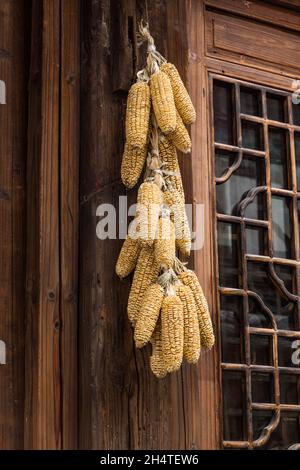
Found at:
<point>256,135</point>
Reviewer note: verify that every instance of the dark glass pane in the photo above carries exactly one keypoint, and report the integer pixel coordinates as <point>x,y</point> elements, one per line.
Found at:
<point>260,419</point>
<point>234,405</point>
<point>252,135</point>
<point>250,101</point>
<point>287,432</point>
<point>261,282</point>
<point>297,152</point>
<point>296,114</point>
<point>278,141</point>
<point>262,387</point>
<point>256,240</point>
<point>261,350</point>
<point>223,112</point>
<point>223,161</point>
<point>288,352</point>
<point>282,242</point>
<point>257,318</point>
<point>232,328</point>
<point>276,107</point>
<point>289,389</point>
<point>249,175</point>
<point>228,247</point>
<point>287,275</point>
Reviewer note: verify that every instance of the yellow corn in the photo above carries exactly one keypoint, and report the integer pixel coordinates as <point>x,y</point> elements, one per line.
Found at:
<point>182,229</point>
<point>163,102</point>
<point>149,202</point>
<point>172,332</point>
<point>157,363</point>
<point>148,316</point>
<point>128,257</point>
<point>133,162</point>
<point>138,115</point>
<point>146,272</point>
<point>192,345</point>
<point>164,245</point>
<point>180,136</point>
<point>190,279</point>
<point>182,99</point>
<point>168,155</point>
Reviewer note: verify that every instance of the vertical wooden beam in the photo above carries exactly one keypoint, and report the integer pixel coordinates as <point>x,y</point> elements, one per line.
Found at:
<point>69,199</point>
<point>12,216</point>
<point>43,380</point>
<point>205,386</point>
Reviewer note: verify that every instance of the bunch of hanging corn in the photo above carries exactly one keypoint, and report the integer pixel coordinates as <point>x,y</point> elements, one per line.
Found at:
<point>166,304</point>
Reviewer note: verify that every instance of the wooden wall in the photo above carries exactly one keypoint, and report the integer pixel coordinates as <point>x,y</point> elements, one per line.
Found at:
<point>65,336</point>
<point>121,405</point>
<point>13,71</point>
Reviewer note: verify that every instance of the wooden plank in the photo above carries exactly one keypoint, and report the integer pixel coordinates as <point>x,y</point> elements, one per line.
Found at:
<point>251,43</point>
<point>69,181</point>
<point>208,412</point>
<point>122,405</point>
<point>13,223</point>
<point>43,395</point>
<point>260,11</point>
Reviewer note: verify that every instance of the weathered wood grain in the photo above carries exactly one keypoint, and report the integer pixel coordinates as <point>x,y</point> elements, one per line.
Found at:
<point>69,184</point>
<point>13,221</point>
<point>43,388</point>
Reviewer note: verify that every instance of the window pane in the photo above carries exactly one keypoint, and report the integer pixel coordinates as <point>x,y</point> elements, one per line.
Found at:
<point>252,135</point>
<point>249,175</point>
<point>234,405</point>
<point>287,432</point>
<point>223,112</point>
<point>281,227</point>
<point>250,101</point>
<point>261,350</point>
<point>297,152</point>
<point>289,389</point>
<point>228,241</point>
<point>288,355</point>
<point>257,318</point>
<point>262,387</point>
<point>278,141</point>
<point>260,282</point>
<point>256,240</point>
<point>261,419</point>
<point>296,114</point>
<point>223,161</point>
<point>276,107</point>
<point>232,328</point>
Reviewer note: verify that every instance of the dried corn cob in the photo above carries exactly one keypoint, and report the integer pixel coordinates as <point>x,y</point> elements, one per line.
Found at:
<point>148,315</point>
<point>146,272</point>
<point>182,99</point>
<point>132,164</point>
<point>180,136</point>
<point>192,345</point>
<point>138,115</point>
<point>157,364</point>
<point>149,202</point>
<point>164,245</point>
<point>190,279</point>
<point>128,257</point>
<point>172,332</point>
<point>163,102</point>
<point>182,228</point>
<point>168,155</point>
